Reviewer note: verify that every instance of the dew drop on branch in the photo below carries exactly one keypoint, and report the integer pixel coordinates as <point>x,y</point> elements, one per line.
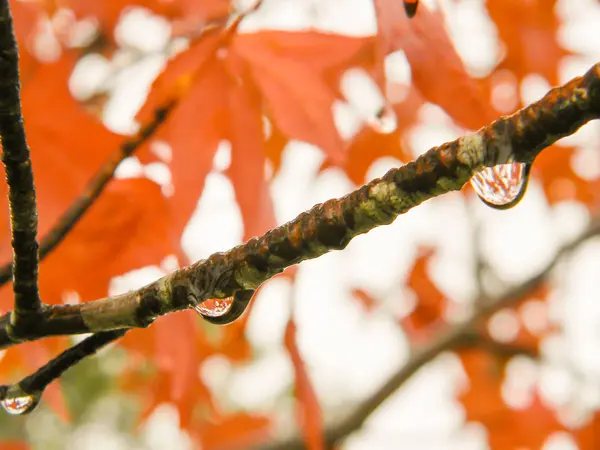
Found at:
<point>502,186</point>
<point>20,404</point>
<point>214,307</point>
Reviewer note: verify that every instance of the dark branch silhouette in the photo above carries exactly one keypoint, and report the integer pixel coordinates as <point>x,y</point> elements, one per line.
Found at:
<point>19,176</point>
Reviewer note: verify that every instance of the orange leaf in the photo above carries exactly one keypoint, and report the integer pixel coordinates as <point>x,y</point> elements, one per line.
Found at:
<point>292,70</point>
<point>508,428</point>
<point>126,228</point>
<point>529,31</point>
<point>554,168</point>
<point>178,77</point>
<point>308,410</point>
<point>437,70</point>
<point>364,298</point>
<point>247,170</point>
<point>587,436</point>
<point>285,82</point>
<point>431,302</point>
<point>14,445</point>
<point>235,431</point>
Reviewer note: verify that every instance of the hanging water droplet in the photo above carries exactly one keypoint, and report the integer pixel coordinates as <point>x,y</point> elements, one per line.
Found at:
<point>502,186</point>
<point>384,120</point>
<point>20,404</point>
<point>222,311</point>
<point>214,307</point>
<point>410,6</point>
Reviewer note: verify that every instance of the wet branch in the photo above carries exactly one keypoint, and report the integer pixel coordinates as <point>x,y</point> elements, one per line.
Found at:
<point>19,175</point>
<point>452,337</point>
<point>333,224</point>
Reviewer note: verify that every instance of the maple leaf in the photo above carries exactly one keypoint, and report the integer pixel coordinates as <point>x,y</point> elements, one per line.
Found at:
<point>437,70</point>
<point>308,410</point>
<point>126,228</point>
<point>290,69</point>
<point>26,16</point>
<point>178,349</point>
<point>235,431</point>
<point>560,182</point>
<point>527,427</point>
<point>431,302</point>
<point>248,158</point>
<point>225,83</point>
<point>529,31</point>
<point>586,437</point>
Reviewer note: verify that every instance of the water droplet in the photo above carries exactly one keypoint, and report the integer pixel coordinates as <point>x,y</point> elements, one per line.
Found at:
<point>502,186</point>
<point>384,120</point>
<point>222,311</point>
<point>410,6</point>
<point>214,307</point>
<point>20,404</point>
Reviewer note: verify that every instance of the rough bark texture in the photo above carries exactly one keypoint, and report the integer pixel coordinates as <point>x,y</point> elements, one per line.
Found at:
<point>19,176</point>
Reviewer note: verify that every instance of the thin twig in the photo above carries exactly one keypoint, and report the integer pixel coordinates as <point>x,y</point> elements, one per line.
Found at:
<point>333,224</point>
<point>19,175</point>
<point>450,338</point>
<point>34,384</point>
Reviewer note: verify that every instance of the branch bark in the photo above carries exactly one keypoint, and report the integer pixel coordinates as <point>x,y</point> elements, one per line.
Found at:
<point>333,224</point>
<point>19,175</point>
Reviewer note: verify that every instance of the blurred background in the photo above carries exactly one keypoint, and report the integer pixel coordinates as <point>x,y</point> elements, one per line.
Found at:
<point>343,325</point>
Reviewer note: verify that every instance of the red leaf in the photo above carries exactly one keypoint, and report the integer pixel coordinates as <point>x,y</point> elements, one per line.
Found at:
<point>431,302</point>
<point>126,228</point>
<point>308,409</point>
<point>14,445</point>
<point>175,82</point>
<point>507,428</point>
<point>437,70</point>
<point>529,31</point>
<point>554,167</point>
<point>247,170</point>
<point>285,81</point>
<point>235,431</point>
<point>364,298</point>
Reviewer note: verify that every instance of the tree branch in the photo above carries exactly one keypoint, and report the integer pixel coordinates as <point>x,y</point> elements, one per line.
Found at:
<point>450,338</point>
<point>19,175</point>
<point>32,386</point>
<point>333,224</point>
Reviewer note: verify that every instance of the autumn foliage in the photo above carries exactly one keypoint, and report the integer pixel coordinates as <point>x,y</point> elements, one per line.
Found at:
<point>260,90</point>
